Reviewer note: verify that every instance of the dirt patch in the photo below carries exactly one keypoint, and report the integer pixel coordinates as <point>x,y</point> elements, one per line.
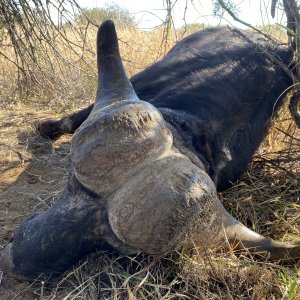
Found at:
<point>33,172</point>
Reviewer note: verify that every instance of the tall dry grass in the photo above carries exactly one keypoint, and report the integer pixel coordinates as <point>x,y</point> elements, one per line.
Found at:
<point>266,199</point>
<point>63,77</point>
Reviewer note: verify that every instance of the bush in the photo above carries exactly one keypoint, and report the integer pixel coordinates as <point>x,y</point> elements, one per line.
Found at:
<point>119,15</point>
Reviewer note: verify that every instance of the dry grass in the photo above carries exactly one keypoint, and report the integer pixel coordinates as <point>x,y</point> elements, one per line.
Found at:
<point>34,171</point>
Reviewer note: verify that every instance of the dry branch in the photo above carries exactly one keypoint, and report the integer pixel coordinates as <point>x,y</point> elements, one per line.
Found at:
<point>293,30</point>
<point>293,107</point>
<point>267,53</point>
<point>37,38</point>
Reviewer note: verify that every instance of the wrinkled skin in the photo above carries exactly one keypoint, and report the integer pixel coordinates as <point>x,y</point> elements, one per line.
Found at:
<point>134,186</point>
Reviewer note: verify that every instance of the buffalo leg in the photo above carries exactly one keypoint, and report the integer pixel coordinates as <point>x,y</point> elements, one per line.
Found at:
<point>55,128</point>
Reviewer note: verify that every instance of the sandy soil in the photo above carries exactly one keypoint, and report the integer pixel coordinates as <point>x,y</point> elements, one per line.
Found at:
<point>32,174</point>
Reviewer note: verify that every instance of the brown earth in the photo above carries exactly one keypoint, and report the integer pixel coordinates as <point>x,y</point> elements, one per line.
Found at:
<point>33,172</point>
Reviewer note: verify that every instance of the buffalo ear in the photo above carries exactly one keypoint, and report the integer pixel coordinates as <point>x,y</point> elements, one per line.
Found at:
<point>113,83</point>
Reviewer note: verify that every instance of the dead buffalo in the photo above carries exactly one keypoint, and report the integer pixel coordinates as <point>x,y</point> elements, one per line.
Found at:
<point>144,174</point>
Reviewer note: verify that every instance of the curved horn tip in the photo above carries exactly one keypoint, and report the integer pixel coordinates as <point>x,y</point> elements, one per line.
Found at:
<point>107,36</point>
<point>113,83</point>
<point>107,25</point>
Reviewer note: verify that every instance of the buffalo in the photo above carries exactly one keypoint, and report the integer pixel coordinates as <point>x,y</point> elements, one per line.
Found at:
<point>148,158</point>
